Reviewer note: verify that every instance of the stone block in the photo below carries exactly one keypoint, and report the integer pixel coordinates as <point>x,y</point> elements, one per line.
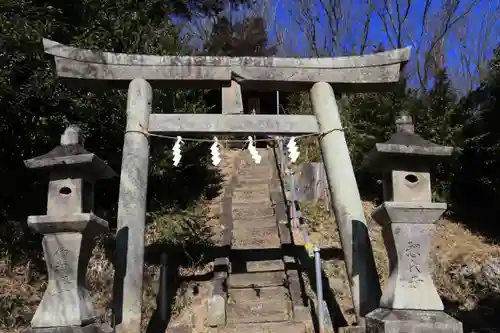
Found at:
<point>69,195</point>
<point>216,314</point>
<point>257,305</point>
<point>352,329</point>
<point>92,328</point>
<point>232,102</point>
<point>89,224</point>
<point>301,313</point>
<point>260,279</point>
<point>66,301</point>
<point>410,186</point>
<point>411,321</point>
<point>408,228</point>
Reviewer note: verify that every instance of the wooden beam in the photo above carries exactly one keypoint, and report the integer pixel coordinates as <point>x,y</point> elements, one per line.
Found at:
<point>232,124</point>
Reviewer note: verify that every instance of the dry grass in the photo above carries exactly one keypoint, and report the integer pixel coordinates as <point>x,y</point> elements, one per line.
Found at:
<point>455,247</point>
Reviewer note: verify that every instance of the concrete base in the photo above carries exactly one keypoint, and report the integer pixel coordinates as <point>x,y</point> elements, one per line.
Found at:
<point>92,328</point>
<point>411,321</point>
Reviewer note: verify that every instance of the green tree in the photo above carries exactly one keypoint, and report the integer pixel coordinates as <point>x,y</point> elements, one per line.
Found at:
<point>439,120</point>
<point>244,38</point>
<point>37,106</point>
<point>477,184</point>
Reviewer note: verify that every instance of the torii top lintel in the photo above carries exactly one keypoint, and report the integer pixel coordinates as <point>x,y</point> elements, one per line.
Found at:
<point>373,72</point>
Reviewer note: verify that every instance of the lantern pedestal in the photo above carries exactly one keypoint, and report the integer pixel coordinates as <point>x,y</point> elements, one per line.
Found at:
<point>408,228</point>
<point>67,245</point>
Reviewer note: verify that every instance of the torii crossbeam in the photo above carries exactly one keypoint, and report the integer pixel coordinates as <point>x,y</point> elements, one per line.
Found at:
<point>354,73</point>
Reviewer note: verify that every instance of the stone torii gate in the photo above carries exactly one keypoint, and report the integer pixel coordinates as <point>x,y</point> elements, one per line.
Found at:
<point>141,73</point>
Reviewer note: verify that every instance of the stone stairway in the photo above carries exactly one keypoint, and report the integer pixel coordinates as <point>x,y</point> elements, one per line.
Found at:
<point>258,299</point>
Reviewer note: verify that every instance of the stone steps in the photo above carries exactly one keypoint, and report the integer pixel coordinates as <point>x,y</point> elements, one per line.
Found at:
<point>242,209</point>
<point>258,298</point>
<point>255,234</point>
<point>265,266</point>
<point>254,187</point>
<point>251,181</point>
<point>255,229</point>
<point>256,280</point>
<point>256,191</point>
<point>264,328</point>
<point>260,202</point>
<point>259,305</point>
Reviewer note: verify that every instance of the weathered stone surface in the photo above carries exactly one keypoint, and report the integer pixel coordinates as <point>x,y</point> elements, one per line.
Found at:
<point>72,157</point>
<point>265,266</point>
<point>66,301</point>
<point>232,124</point>
<point>391,212</point>
<point>251,201</point>
<point>311,182</point>
<point>262,73</point>
<point>346,200</point>
<point>405,150</point>
<point>283,327</point>
<point>251,182</point>
<point>257,295</point>
<point>260,279</point>
<point>243,242</point>
<point>232,101</point>
<point>242,210</point>
<point>216,314</point>
<point>408,185</point>
<point>132,210</point>
<point>352,329</point>
<point>78,222</point>
<point>411,321</point>
<point>410,302</point>
<point>258,305</point>
<point>256,284</point>
<point>73,171</point>
<point>92,328</point>
<point>408,230</point>
<point>69,230</point>
<point>216,306</point>
<point>258,194</point>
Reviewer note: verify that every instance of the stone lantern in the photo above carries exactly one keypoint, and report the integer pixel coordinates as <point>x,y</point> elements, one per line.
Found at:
<point>410,301</point>
<point>69,230</point>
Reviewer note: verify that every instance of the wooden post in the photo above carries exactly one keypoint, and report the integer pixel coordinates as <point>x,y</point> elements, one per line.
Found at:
<point>346,202</point>
<point>132,211</point>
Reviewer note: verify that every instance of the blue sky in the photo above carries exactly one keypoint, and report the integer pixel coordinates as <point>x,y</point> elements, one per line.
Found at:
<point>376,31</point>
<point>279,18</point>
<point>484,12</point>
